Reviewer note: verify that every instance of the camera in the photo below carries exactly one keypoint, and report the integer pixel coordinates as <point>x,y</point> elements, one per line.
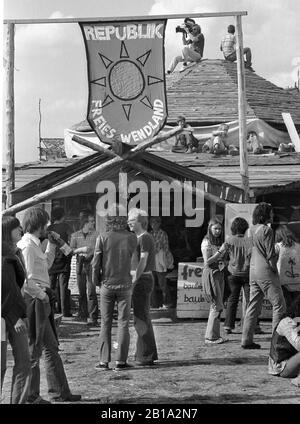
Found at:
<point>181,28</point>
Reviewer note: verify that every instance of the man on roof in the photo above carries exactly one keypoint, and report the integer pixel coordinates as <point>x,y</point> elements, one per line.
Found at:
<point>193,41</point>
<point>228,47</point>
<point>186,142</point>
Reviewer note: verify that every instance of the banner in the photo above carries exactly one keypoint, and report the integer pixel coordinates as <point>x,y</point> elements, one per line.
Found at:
<point>127,95</point>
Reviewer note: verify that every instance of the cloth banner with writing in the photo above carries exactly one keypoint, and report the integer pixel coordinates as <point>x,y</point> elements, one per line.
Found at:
<point>127,94</point>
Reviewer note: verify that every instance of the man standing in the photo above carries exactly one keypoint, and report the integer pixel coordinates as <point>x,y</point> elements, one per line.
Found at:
<point>113,253</point>
<point>83,244</point>
<point>228,47</point>
<point>42,332</point>
<point>61,267</point>
<point>146,352</point>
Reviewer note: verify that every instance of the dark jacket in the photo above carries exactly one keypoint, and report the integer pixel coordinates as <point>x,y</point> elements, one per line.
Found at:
<point>281,349</point>
<point>13,276</point>
<point>37,315</point>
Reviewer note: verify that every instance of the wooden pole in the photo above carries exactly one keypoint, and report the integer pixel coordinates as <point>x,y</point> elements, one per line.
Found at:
<point>93,146</point>
<point>242,111</point>
<point>124,18</point>
<point>9,112</point>
<point>40,138</point>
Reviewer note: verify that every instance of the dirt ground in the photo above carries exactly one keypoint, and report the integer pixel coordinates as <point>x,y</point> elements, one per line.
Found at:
<point>188,371</point>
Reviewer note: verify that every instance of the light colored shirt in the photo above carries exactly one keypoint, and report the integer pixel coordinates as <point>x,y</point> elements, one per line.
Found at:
<point>37,264</point>
<point>289,328</point>
<point>263,250</point>
<point>288,266</point>
<point>228,44</point>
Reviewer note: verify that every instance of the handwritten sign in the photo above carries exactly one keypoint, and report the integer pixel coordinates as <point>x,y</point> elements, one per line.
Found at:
<point>127,95</point>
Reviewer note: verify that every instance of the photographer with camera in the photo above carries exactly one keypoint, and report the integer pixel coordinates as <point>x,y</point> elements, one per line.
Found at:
<point>193,41</point>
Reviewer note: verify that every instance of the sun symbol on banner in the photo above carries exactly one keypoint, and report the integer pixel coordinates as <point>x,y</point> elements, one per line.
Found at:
<point>126,80</point>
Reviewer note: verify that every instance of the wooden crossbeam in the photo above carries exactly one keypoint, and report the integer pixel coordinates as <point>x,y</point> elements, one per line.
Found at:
<point>90,172</point>
<point>124,18</point>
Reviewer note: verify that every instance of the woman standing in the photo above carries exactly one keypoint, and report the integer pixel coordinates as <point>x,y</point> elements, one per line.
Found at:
<point>213,278</point>
<point>288,263</point>
<point>13,311</point>
<point>264,280</point>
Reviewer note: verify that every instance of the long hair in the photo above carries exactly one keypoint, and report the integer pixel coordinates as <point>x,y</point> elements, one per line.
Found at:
<point>285,236</point>
<point>34,219</point>
<point>261,213</point>
<point>9,223</point>
<point>216,241</point>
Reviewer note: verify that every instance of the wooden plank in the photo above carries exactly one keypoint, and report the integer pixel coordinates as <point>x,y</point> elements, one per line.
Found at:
<point>292,130</point>
<point>123,18</point>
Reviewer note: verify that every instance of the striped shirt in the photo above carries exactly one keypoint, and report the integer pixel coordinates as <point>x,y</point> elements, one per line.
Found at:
<point>228,44</point>
<point>288,328</point>
<point>81,239</point>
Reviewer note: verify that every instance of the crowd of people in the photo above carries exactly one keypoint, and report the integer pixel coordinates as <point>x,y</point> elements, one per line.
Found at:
<point>124,261</point>
<point>193,41</point>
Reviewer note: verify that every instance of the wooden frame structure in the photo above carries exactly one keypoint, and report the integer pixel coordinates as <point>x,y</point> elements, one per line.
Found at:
<point>9,124</point>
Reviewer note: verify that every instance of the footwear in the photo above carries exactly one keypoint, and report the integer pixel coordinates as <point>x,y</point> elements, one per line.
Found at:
<point>122,367</point>
<point>70,398</point>
<point>228,330</point>
<point>251,346</point>
<point>102,367</point>
<point>216,341</point>
<point>145,364</point>
<point>39,401</point>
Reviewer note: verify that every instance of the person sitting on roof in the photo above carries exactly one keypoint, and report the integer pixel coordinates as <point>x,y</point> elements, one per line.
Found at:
<point>254,145</point>
<point>192,51</point>
<point>186,142</point>
<point>228,47</point>
<point>217,142</point>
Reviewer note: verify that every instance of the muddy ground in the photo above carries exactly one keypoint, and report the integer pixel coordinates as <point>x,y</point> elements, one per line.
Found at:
<point>188,371</point>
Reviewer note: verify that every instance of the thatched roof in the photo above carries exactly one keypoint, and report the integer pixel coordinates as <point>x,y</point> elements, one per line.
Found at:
<point>207,93</point>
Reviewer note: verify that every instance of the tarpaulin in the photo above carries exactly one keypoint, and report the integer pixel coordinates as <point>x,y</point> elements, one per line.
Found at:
<point>269,136</point>
<point>127,95</point>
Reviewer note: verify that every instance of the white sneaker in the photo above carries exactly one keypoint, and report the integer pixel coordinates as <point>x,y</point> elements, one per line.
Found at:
<point>296,381</point>
<point>216,341</point>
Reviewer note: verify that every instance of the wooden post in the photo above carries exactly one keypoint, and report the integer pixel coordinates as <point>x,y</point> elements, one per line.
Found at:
<point>9,112</point>
<point>242,111</point>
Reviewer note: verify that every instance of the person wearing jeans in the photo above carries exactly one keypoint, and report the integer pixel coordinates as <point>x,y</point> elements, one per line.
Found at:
<point>284,357</point>
<point>13,312</point>
<point>213,253</point>
<point>111,266</point>
<point>61,267</point>
<point>239,250</point>
<point>144,264</point>
<point>39,300</point>
<point>264,279</point>
<point>83,245</point>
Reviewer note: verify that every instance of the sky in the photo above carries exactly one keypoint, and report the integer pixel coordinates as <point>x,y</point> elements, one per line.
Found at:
<point>50,61</point>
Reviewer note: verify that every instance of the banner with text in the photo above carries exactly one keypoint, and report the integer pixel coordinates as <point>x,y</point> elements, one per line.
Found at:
<point>127,94</point>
